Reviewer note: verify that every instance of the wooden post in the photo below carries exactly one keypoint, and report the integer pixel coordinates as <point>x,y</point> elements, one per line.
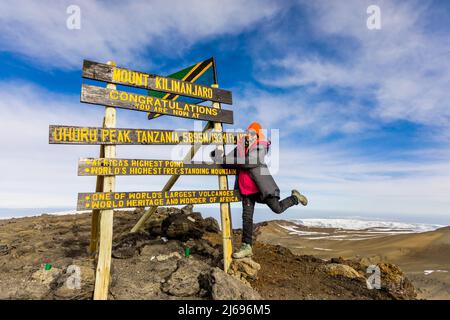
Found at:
<point>169,184</point>
<point>104,228</point>
<point>225,212</point>
<point>95,223</point>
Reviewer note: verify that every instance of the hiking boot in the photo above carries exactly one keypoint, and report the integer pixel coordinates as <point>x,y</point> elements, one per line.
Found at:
<point>245,251</point>
<point>300,198</point>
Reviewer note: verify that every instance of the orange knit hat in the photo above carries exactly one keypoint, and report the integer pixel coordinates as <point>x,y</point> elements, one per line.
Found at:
<point>255,126</point>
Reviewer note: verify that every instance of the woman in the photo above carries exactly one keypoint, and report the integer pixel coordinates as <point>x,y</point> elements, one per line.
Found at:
<point>255,184</point>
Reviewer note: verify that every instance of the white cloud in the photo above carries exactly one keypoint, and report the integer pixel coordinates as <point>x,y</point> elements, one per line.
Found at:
<point>125,31</point>
<point>401,67</point>
<point>338,181</point>
<point>36,174</point>
<point>293,112</point>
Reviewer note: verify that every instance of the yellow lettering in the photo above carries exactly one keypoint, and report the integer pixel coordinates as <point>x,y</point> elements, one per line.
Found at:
<point>158,84</point>
<point>116,75</point>
<point>114,95</point>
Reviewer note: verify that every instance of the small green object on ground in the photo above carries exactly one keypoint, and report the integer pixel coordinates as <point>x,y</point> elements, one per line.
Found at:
<point>187,252</point>
<point>48,266</point>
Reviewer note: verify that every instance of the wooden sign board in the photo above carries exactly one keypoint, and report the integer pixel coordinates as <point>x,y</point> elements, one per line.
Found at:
<point>110,167</point>
<point>138,102</point>
<point>116,75</point>
<point>124,136</point>
<point>115,200</point>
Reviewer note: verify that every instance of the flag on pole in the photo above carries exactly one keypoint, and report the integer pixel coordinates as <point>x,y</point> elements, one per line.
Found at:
<point>203,72</point>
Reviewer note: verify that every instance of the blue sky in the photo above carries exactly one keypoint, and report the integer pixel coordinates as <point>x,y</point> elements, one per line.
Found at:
<point>363,114</point>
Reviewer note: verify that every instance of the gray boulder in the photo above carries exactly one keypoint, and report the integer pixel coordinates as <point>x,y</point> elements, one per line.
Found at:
<point>67,286</point>
<point>244,269</point>
<point>225,287</point>
<point>184,282</point>
<point>205,249</point>
<point>211,225</point>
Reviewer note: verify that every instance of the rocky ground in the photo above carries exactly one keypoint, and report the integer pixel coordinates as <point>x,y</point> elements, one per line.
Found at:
<point>424,257</point>
<point>152,264</point>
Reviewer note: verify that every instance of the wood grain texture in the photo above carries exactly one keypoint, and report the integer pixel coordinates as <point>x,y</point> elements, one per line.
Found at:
<point>108,167</point>
<point>115,200</point>
<point>59,134</point>
<point>106,217</point>
<point>133,101</point>
<point>225,211</point>
<point>103,72</point>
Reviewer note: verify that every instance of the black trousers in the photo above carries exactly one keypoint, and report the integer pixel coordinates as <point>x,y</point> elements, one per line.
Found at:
<point>248,208</point>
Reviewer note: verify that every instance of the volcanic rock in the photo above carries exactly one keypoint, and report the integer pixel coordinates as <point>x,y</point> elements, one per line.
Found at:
<point>336,269</point>
<point>184,282</point>
<point>225,287</point>
<point>75,282</point>
<point>244,269</point>
<point>130,244</point>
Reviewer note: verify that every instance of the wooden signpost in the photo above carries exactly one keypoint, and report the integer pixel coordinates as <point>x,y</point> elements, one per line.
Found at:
<point>108,167</point>
<point>116,200</point>
<point>112,74</point>
<point>225,212</point>
<point>138,102</point>
<point>105,199</point>
<point>102,221</point>
<point>126,136</point>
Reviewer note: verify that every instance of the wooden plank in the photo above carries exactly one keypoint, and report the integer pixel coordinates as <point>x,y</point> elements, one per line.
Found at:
<point>127,77</point>
<point>170,183</point>
<point>138,102</point>
<point>103,269</point>
<point>225,212</point>
<point>59,134</point>
<point>106,167</point>
<point>95,223</point>
<point>115,200</point>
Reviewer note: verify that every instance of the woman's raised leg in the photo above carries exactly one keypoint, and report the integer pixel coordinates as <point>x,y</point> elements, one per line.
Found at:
<point>278,206</point>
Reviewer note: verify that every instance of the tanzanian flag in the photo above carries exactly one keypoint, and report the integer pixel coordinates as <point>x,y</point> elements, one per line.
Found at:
<point>203,73</point>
